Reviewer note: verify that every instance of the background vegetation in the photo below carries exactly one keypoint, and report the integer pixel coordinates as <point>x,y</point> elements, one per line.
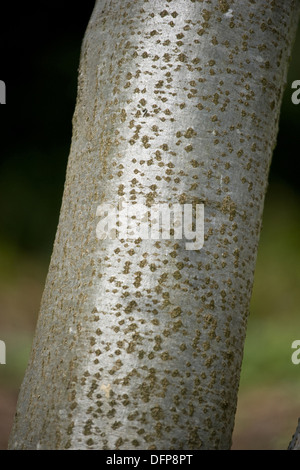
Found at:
<point>40,47</point>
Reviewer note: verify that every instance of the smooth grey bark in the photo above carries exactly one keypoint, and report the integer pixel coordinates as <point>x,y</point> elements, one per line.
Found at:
<point>139,343</point>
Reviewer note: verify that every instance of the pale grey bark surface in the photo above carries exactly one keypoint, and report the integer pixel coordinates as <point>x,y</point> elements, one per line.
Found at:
<point>139,343</point>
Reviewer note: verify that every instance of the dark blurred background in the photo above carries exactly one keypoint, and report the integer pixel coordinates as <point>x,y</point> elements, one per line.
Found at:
<point>40,47</point>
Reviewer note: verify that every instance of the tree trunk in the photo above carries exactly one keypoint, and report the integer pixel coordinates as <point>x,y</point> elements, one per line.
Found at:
<point>139,342</point>
<point>295,442</point>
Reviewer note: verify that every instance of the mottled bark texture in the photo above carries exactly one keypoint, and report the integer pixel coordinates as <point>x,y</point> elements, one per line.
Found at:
<point>295,442</point>
<point>139,342</point>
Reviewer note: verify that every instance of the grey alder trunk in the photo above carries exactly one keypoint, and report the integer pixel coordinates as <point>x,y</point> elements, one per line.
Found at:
<point>139,342</point>
<point>295,442</point>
